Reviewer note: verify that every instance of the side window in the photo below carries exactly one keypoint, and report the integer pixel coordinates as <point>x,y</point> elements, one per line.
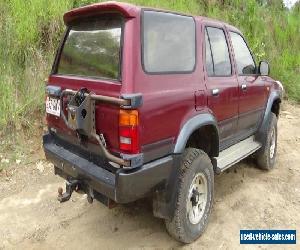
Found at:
<point>169,43</point>
<point>220,52</point>
<point>208,56</point>
<point>243,57</point>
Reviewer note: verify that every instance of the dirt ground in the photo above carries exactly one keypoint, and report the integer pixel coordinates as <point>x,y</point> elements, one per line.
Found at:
<point>245,198</point>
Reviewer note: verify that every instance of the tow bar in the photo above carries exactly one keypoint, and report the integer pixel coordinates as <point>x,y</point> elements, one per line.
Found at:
<point>81,187</point>
<point>74,185</point>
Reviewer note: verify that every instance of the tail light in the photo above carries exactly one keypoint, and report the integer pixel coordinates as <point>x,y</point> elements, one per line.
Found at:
<point>128,131</point>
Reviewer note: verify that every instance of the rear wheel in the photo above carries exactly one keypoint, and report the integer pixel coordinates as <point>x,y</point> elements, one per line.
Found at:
<point>194,197</point>
<point>266,156</point>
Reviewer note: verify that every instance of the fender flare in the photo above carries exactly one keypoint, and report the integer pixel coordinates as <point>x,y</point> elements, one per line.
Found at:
<point>261,133</point>
<point>191,126</point>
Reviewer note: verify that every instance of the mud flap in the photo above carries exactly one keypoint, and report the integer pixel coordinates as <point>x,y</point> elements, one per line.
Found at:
<point>164,201</point>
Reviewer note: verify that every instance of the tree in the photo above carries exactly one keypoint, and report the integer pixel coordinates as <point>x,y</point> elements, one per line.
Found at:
<point>276,3</point>
<point>296,7</point>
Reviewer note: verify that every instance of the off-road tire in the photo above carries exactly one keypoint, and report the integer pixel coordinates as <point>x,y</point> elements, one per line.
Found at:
<point>194,161</point>
<point>263,158</point>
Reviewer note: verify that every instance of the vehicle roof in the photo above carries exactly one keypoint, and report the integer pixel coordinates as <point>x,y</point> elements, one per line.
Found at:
<point>211,20</point>
<point>130,11</point>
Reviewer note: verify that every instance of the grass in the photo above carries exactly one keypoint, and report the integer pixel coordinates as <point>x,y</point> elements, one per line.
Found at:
<point>30,32</point>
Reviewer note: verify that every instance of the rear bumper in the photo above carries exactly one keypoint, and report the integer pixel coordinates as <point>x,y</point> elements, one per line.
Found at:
<point>122,186</point>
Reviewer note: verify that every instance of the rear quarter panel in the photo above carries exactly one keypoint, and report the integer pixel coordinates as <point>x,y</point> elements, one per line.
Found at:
<point>168,99</point>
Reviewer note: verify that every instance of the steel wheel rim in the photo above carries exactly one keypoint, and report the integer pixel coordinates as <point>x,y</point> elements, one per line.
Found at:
<point>197,198</point>
<point>273,143</point>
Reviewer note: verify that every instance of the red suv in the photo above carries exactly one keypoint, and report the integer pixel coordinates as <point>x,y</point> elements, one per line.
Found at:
<point>144,102</point>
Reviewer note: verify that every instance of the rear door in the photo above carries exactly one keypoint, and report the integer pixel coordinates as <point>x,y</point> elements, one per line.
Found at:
<point>90,57</point>
<point>252,91</point>
<point>221,82</point>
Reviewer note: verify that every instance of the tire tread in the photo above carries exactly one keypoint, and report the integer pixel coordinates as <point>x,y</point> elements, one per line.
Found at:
<point>174,226</point>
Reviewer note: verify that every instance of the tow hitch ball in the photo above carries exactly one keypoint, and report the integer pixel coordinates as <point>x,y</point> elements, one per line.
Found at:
<point>74,185</point>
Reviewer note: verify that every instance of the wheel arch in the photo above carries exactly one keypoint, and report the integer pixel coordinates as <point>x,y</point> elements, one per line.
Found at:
<point>192,127</point>
<point>273,106</point>
<point>276,106</point>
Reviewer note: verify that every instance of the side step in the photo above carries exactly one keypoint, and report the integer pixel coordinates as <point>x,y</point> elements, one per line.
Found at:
<point>236,153</point>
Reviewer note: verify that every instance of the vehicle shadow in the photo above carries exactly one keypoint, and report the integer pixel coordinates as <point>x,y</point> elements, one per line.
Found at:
<point>137,218</point>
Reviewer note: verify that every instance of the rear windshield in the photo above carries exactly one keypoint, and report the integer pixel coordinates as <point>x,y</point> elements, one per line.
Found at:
<point>93,48</point>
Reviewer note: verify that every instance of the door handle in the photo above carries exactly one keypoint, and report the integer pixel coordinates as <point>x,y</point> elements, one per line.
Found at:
<point>244,87</point>
<point>215,92</point>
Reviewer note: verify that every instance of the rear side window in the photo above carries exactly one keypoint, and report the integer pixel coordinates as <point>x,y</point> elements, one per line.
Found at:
<point>243,57</point>
<point>219,51</point>
<point>209,61</point>
<point>92,48</point>
<point>169,43</point>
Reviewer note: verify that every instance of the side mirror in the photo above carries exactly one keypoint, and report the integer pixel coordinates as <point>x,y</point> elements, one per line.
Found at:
<point>264,68</point>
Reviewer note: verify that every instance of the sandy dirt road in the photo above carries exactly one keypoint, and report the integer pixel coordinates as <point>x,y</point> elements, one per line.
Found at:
<point>245,198</point>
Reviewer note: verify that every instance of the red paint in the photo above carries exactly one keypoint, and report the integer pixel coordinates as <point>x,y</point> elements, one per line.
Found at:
<point>127,10</point>
<point>200,100</point>
<point>169,101</point>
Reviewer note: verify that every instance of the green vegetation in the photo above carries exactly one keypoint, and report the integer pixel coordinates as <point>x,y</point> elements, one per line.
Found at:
<point>30,32</point>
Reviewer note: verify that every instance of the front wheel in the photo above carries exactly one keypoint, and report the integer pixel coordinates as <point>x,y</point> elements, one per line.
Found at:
<point>194,197</point>
<point>266,156</point>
